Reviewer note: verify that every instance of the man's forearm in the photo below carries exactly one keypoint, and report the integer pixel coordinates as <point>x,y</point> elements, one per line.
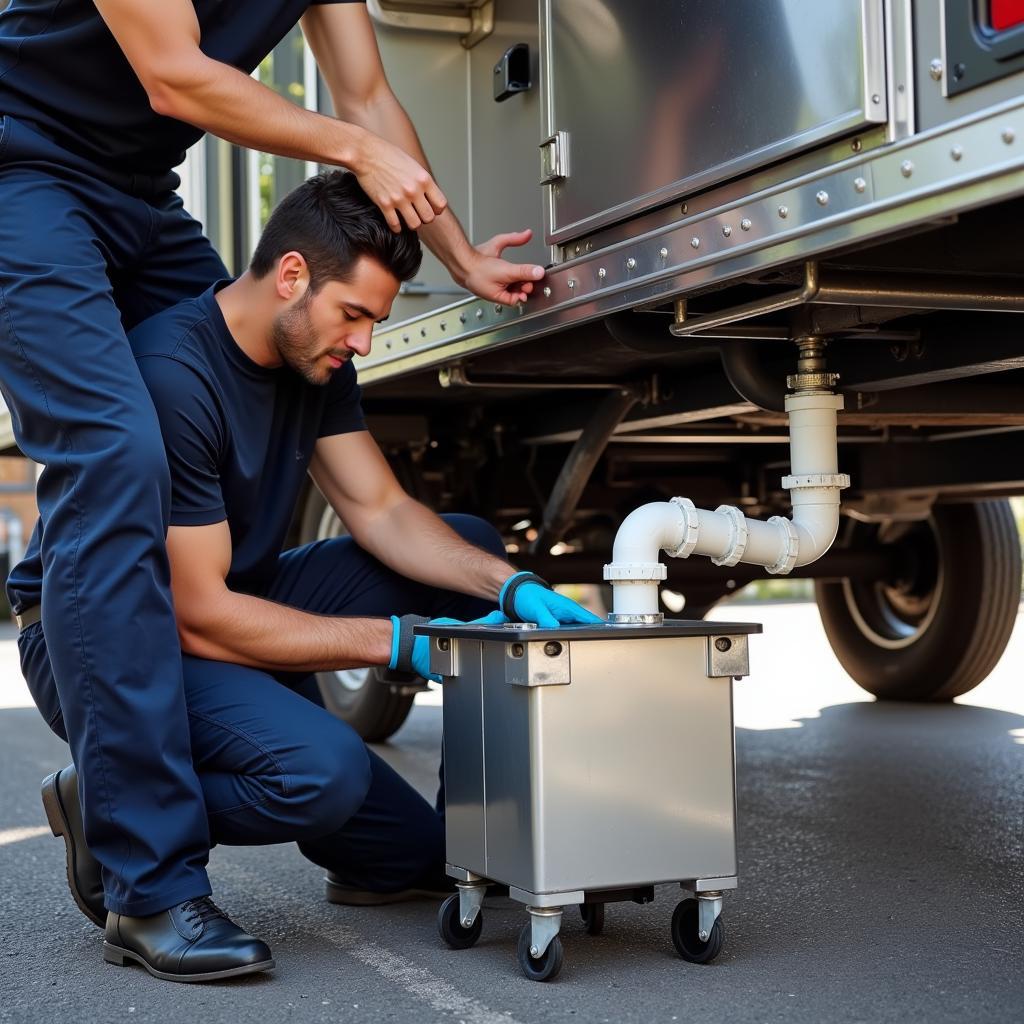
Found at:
<point>251,631</point>
<point>416,543</point>
<point>230,104</point>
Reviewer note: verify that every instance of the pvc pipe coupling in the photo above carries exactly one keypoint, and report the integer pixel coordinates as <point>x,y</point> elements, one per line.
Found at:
<point>726,535</point>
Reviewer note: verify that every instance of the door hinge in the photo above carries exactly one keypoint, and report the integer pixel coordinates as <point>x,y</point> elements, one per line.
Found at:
<point>554,158</point>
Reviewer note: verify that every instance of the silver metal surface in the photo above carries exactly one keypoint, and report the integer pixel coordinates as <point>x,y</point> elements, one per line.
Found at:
<point>988,170</point>
<point>461,874</point>
<point>695,93</point>
<point>548,899</point>
<point>554,158</point>
<point>540,664</point>
<point>636,618</point>
<point>545,923</point>
<point>700,885</point>
<point>623,778</point>
<point>709,906</point>
<point>471,899</point>
<point>727,656</point>
<point>444,656</point>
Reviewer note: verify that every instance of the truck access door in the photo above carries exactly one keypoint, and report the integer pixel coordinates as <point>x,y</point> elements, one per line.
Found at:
<point>648,101</point>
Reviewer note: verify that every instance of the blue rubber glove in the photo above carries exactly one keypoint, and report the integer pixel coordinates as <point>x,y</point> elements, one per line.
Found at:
<point>525,597</point>
<point>411,653</point>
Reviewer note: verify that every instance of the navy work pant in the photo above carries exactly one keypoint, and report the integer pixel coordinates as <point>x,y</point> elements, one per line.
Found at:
<point>273,764</point>
<point>85,253</point>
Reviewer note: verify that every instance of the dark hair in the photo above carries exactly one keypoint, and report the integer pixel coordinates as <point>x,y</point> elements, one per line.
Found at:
<point>333,222</point>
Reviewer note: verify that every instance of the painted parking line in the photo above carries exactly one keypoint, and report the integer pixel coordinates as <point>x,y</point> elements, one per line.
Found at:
<point>416,981</point>
<point>18,835</point>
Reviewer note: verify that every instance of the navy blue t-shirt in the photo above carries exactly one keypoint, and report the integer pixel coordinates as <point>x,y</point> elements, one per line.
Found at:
<point>62,70</point>
<point>239,436</point>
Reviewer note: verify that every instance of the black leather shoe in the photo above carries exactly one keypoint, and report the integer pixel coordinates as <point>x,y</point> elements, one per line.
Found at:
<point>346,897</point>
<point>194,941</point>
<point>64,813</point>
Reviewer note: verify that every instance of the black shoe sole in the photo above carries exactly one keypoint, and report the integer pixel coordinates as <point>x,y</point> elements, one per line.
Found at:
<point>120,956</point>
<point>343,897</point>
<point>58,819</point>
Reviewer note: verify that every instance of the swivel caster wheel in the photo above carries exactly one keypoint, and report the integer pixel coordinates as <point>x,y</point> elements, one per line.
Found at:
<point>451,928</point>
<point>541,968</point>
<point>686,934</point>
<point>593,917</point>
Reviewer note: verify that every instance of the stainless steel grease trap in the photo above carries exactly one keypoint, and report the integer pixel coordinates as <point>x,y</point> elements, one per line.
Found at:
<point>583,766</point>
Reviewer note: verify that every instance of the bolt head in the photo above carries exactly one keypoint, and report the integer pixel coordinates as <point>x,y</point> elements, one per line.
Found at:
<point>957,152</point>
<point>723,644</point>
<point>631,263</point>
<point>726,230</point>
<point>479,314</point>
<point>663,252</point>
<point>1008,136</point>
<point>443,325</point>
<point>571,283</point>
<point>497,308</point>
<point>695,242</point>
<point>859,184</point>
<point>443,643</point>
<point>704,936</point>
<point>783,212</point>
<point>547,291</point>
<point>405,338</point>
<point>822,198</point>
<point>685,208</point>
<point>534,952</point>
<point>602,273</point>
<point>935,69</point>
<point>856,145</point>
<point>907,168</point>
<point>746,224</point>
<point>462,318</point>
<point>552,648</point>
<point>423,332</point>
<point>518,650</point>
<point>577,250</point>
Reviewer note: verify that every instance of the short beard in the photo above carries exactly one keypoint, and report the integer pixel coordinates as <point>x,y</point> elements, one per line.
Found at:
<point>297,344</point>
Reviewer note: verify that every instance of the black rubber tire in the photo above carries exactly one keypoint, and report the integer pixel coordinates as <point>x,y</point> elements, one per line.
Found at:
<point>593,917</point>
<point>686,934</point>
<point>939,629</point>
<point>544,968</point>
<point>378,708</point>
<point>450,928</point>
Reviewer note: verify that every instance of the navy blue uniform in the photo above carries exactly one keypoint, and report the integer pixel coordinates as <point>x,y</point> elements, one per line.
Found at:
<point>92,241</point>
<point>273,764</point>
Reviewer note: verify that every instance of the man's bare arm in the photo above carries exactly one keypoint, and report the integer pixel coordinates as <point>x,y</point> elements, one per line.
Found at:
<point>344,44</point>
<point>217,623</point>
<point>384,520</point>
<point>160,39</point>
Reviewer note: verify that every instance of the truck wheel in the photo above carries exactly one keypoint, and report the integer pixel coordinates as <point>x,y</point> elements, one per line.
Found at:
<point>937,627</point>
<point>373,701</point>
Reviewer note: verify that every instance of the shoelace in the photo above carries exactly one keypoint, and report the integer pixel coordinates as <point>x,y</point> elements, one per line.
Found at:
<point>202,910</point>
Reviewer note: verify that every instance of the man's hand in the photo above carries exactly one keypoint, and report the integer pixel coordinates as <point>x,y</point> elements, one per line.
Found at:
<point>496,280</point>
<point>525,597</point>
<point>411,653</point>
<point>397,183</point>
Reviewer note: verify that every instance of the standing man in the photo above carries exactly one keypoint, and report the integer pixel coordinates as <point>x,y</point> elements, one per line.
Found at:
<point>100,99</point>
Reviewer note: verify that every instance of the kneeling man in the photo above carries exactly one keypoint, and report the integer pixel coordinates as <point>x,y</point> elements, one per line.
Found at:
<point>253,385</point>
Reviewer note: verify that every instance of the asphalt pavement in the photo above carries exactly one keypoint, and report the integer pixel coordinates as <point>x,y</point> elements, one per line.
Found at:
<point>881,855</point>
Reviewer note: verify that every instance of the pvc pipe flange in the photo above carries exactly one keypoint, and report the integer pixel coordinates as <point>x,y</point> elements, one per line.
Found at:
<point>738,533</point>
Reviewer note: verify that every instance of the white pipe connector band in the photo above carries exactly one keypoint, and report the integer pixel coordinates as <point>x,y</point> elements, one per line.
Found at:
<point>726,535</point>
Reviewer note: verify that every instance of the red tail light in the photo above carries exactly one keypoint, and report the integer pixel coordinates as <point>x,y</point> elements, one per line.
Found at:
<point>1004,14</point>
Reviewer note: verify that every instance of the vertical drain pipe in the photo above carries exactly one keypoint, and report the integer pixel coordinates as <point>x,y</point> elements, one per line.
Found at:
<point>726,535</point>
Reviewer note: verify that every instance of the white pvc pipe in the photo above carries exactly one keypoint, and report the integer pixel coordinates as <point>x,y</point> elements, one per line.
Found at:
<point>726,535</point>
